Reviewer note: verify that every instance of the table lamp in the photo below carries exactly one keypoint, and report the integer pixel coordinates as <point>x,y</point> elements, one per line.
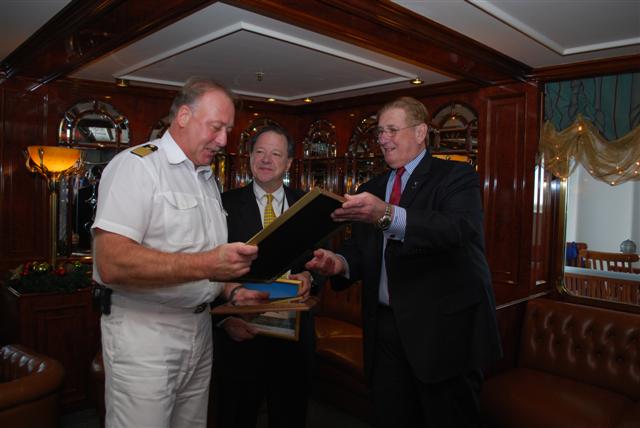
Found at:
<point>53,163</point>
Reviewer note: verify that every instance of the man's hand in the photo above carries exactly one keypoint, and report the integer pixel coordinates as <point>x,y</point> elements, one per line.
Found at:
<point>237,294</point>
<point>326,263</point>
<point>238,329</point>
<point>229,261</point>
<point>305,287</point>
<point>363,207</point>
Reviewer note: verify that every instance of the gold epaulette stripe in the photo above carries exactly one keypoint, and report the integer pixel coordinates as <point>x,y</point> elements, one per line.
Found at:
<point>145,150</point>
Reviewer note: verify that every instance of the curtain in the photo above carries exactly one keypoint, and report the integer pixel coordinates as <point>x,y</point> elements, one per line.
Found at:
<point>599,119</point>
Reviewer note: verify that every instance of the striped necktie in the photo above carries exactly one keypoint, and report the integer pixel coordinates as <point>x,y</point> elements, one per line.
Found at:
<point>269,214</point>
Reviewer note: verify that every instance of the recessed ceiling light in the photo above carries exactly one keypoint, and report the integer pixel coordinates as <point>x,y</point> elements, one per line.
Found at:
<point>308,100</point>
<point>123,83</point>
<point>417,81</point>
<point>271,100</point>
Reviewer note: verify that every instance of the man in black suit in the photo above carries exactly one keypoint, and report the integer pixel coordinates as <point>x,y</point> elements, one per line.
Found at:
<point>428,307</point>
<point>250,367</point>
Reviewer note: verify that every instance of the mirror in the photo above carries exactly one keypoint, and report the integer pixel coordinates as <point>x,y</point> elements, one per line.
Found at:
<point>318,166</point>
<point>591,140</point>
<point>93,124</point>
<point>601,234</point>
<point>159,128</point>
<point>99,131</point>
<point>454,133</point>
<point>320,141</point>
<point>364,157</point>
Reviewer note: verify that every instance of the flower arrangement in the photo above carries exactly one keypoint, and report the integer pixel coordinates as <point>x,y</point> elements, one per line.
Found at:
<point>41,277</point>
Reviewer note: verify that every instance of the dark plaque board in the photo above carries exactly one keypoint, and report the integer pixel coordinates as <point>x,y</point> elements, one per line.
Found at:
<point>294,235</point>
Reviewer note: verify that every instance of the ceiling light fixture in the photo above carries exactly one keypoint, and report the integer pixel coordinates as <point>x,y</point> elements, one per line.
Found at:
<point>271,100</point>
<point>308,100</point>
<point>417,81</point>
<point>259,76</point>
<point>122,83</point>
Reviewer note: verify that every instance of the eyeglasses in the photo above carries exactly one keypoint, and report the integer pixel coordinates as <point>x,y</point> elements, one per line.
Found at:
<point>391,131</point>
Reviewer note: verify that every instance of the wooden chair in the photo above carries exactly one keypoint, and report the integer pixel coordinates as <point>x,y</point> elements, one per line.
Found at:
<point>613,262</point>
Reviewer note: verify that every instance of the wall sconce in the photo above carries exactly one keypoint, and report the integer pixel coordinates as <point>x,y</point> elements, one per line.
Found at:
<point>122,83</point>
<point>52,163</point>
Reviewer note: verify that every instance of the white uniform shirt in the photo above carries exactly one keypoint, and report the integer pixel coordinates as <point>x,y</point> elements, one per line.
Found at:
<point>162,202</point>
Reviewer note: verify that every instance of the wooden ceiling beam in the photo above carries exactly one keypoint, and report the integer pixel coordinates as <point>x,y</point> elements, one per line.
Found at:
<point>86,30</point>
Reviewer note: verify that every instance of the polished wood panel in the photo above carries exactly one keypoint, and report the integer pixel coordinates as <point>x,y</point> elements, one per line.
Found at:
<point>23,197</point>
<point>507,158</point>
<point>626,64</point>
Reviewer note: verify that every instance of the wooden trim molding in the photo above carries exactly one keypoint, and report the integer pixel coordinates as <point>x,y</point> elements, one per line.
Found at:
<point>581,70</point>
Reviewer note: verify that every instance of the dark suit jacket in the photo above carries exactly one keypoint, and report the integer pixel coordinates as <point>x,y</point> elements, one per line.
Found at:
<point>243,219</point>
<point>239,358</point>
<point>439,280</point>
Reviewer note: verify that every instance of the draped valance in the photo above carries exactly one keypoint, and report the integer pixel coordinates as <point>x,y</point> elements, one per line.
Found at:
<point>599,122</point>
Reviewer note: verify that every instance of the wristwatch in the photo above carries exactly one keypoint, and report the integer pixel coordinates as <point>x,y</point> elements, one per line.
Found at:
<point>384,222</point>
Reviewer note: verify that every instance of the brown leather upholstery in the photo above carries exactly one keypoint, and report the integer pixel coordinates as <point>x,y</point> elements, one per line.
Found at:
<point>340,373</point>
<point>30,384</point>
<point>577,366</point>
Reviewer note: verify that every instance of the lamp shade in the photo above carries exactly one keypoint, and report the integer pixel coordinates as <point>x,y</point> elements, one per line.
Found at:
<point>54,159</point>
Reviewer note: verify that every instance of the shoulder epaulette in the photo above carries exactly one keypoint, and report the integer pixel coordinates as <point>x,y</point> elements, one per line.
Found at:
<point>145,150</point>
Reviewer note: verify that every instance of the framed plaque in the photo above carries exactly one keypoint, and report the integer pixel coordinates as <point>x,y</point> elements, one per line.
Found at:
<point>294,235</point>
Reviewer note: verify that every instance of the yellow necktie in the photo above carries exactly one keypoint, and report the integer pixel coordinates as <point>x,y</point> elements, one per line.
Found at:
<point>269,214</point>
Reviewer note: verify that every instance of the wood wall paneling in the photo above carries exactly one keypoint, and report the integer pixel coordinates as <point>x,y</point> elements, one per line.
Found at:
<point>24,221</point>
<point>509,147</point>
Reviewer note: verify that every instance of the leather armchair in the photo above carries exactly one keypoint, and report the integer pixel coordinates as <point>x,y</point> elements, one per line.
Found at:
<point>30,386</point>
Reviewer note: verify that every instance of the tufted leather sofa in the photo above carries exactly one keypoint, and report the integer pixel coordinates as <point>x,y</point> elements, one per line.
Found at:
<point>339,365</point>
<point>29,388</point>
<point>578,366</point>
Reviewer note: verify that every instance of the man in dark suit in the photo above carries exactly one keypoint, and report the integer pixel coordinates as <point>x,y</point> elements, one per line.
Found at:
<point>250,368</point>
<point>428,308</point>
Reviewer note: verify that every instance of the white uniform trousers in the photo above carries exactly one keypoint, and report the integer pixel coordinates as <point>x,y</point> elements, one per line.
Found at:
<point>157,363</point>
